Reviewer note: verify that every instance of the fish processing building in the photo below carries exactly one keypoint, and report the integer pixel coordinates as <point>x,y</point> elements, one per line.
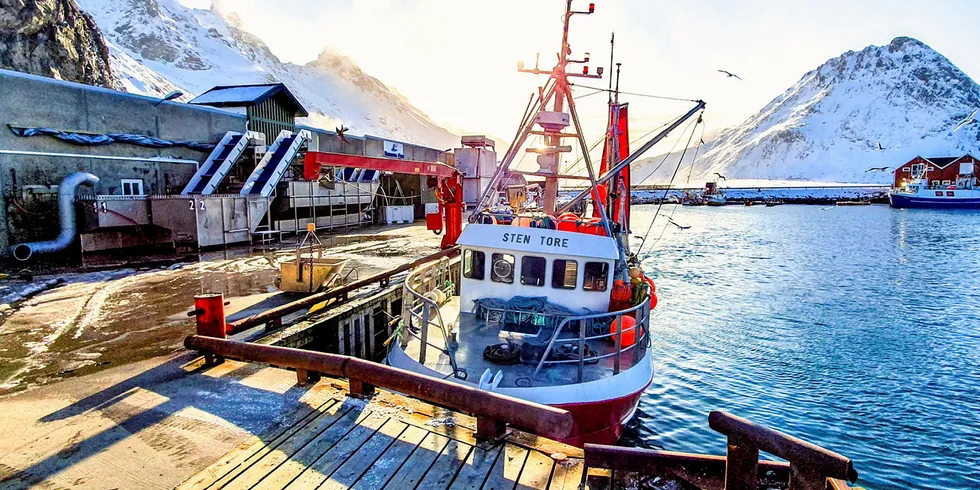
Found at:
<point>224,168</point>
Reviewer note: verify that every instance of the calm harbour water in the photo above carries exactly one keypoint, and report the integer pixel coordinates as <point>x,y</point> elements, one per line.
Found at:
<point>855,328</point>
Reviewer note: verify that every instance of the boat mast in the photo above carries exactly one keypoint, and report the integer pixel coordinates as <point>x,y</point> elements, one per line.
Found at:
<point>552,123</point>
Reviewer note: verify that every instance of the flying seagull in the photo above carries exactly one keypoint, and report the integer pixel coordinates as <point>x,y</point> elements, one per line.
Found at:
<point>730,74</point>
<point>720,176</point>
<point>969,120</point>
<point>880,148</point>
<point>340,133</point>
<point>876,169</point>
<point>671,221</point>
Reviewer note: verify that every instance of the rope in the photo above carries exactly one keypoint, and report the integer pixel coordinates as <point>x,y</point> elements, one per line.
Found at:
<point>670,219</point>
<point>662,97</point>
<point>667,190</point>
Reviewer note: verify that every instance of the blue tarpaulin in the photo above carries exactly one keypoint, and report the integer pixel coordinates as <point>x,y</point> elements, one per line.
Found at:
<point>85,139</point>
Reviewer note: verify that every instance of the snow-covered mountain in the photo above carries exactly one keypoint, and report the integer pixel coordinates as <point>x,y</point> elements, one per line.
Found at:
<point>828,126</point>
<point>158,46</point>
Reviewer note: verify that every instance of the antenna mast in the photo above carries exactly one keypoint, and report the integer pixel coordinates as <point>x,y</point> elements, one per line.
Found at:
<point>551,124</point>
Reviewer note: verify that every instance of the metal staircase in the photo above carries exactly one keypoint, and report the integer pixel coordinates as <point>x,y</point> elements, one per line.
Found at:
<point>214,169</point>
<point>270,170</point>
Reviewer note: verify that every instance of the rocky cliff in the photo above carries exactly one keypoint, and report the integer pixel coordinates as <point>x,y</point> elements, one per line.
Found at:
<point>53,38</point>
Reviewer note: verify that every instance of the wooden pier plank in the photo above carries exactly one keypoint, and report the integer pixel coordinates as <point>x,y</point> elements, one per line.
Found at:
<point>365,456</point>
<point>324,466</point>
<point>216,475</point>
<point>318,444</point>
<point>537,471</point>
<point>285,451</point>
<point>446,466</point>
<point>476,468</point>
<point>507,469</point>
<point>568,474</point>
<point>396,457</point>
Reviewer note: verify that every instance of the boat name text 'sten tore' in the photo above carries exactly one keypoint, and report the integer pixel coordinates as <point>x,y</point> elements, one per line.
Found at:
<point>547,241</point>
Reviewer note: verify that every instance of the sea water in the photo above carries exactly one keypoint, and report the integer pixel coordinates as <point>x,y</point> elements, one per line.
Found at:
<point>855,328</point>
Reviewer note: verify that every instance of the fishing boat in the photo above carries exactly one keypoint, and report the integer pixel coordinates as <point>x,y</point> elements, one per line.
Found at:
<point>713,195</point>
<point>552,306</point>
<point>920,192</point>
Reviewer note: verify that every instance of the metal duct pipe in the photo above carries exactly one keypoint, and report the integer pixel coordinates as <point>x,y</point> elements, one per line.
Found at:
<point>66,212</point>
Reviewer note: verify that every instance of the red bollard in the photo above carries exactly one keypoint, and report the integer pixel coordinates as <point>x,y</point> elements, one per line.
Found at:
<point>210,312</point>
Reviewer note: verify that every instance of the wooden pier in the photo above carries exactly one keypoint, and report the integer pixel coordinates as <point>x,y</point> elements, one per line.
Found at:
<point>389,441</point>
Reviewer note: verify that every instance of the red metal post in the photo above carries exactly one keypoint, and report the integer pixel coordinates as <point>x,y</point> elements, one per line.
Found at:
<point>210,312</point>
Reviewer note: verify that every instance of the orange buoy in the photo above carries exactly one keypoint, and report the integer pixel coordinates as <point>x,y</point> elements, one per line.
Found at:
<point>600,194</point>
<point>568,222</point>
<point>653,300</point>
<point>629,330</point>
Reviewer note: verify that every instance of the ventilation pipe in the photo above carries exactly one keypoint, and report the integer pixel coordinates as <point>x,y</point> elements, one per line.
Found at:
<point>66,211</point>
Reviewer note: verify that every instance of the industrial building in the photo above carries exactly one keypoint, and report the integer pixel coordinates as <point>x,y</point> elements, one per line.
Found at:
<point>225,168</point>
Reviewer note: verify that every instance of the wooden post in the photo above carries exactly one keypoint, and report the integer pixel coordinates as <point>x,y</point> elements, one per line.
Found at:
<point>302,376</point>
<point>488,429</point>
<point>360,388</point>
<point>742,465</point>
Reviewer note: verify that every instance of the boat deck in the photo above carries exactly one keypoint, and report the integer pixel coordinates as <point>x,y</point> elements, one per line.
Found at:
<point>390,442</point>
<point>475,334</point>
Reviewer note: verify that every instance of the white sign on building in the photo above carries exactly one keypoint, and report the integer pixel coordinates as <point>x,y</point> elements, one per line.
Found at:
<point>394,150</point>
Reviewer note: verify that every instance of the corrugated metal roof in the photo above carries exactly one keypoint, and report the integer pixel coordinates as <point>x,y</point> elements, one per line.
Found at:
<point>247,95</point>
<point>228,95</point>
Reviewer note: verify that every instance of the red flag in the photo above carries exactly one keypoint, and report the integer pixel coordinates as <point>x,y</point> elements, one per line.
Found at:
<point>618,126</point>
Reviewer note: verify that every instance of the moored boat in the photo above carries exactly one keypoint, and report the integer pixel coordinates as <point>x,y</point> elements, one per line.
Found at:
<point>549,305</point>
<point>922,192</point>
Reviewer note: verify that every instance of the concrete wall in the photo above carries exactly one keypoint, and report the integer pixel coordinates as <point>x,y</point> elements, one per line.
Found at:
<point>31,101</point>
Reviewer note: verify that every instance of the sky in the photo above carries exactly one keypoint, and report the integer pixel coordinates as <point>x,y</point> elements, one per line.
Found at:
<point>456,59</point>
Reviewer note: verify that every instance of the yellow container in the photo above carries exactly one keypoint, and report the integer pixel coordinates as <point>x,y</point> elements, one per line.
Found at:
<point>309,275</point>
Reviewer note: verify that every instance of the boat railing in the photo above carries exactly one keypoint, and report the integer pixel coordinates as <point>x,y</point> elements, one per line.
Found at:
<point>421,306</point>
<point>640,330</point>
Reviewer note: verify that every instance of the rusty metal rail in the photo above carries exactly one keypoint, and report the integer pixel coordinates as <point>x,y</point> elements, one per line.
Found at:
<point>492,410</point>
<point>810,465</point>
<point>274,315</point>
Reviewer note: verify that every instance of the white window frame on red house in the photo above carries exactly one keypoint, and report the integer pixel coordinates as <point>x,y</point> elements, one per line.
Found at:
<point>135,187</point>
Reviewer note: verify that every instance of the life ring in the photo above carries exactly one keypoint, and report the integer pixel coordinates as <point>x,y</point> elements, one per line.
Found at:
<point>502,268</point>
<point>653,292</point>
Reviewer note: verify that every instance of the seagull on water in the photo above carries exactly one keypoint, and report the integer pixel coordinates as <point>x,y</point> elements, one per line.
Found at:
<point>730,74</point>
<point>969,120</point>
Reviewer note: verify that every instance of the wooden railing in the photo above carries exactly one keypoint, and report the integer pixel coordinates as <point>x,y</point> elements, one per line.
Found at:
<point>493,411</point>
<point>809,467</point>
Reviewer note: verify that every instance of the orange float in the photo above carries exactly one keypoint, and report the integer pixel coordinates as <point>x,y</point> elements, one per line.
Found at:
<point>629,332</point>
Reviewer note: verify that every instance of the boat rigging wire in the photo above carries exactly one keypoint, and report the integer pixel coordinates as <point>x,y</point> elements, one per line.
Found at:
<point>637,94</point>
<point>669,184</point>
<point>690,173</point>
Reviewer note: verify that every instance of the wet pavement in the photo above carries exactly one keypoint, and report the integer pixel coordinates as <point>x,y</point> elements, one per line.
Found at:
<point>74,323</point>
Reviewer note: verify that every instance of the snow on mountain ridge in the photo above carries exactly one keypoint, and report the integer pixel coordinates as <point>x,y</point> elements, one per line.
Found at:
<point>827,126</point>
<point>160,45</point>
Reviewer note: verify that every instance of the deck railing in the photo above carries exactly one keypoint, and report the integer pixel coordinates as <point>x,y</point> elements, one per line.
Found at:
<point>420,309</point>
<point>640,330</point>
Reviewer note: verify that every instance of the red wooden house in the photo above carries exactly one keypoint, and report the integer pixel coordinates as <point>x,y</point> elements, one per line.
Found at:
<point>939,171</point>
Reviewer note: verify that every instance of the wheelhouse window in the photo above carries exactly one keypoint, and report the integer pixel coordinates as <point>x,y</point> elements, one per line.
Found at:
<point>502,268</point>
<point>564,274</point>
<point>533,270</point>
<point>596,276</point>
<point>474,264</point>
